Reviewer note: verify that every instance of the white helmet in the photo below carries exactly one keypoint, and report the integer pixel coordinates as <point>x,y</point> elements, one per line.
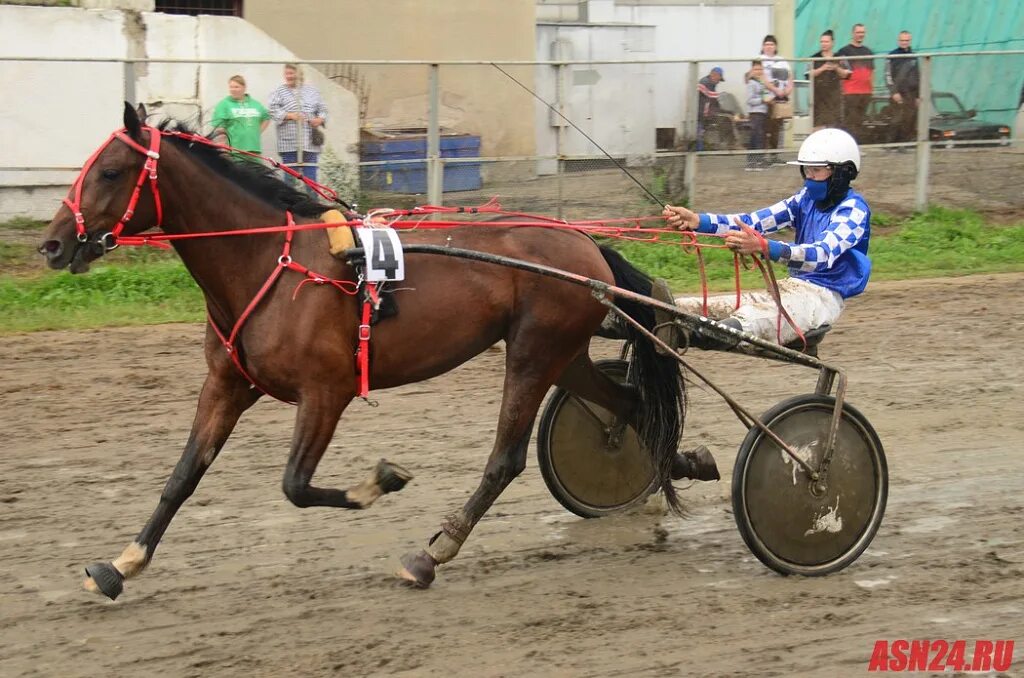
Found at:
<point>828,147</point>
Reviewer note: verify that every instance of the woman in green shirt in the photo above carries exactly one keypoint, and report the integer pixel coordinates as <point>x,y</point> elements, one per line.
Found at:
<point>240,117</point>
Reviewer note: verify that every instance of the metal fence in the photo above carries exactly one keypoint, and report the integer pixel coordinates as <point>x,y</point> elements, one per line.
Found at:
<point>602,137</point>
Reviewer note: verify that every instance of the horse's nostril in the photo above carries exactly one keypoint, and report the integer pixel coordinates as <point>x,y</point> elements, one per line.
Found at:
<point>51,248</point>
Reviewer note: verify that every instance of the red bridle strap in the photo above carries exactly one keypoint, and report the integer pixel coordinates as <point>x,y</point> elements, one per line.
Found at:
<point>148,170</point>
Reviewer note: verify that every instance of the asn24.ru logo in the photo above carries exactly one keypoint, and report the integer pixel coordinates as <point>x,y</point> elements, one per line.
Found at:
<point>941,655</point>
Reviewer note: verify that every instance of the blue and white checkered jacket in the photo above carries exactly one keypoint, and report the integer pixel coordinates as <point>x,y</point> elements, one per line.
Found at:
<point>830,247</point>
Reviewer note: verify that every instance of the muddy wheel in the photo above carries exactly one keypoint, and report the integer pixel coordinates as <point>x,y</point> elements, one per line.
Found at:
<point>791,526</point>
<point>592,463</point>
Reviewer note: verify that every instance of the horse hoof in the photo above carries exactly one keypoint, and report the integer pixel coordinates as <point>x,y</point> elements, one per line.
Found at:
<point>104,578</point>
<point>697,464</point>
<point>418,569</point>
<point>391,477</point>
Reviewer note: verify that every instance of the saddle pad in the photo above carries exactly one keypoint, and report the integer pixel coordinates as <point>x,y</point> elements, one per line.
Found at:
<point>340,237</point>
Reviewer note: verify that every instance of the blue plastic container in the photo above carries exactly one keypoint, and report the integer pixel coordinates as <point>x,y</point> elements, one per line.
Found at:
<point>412,177</point>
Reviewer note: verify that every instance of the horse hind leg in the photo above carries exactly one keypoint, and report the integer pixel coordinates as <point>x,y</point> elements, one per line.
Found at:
<point>583,379</point>
<point>506,462</point>
<point>526,382</point>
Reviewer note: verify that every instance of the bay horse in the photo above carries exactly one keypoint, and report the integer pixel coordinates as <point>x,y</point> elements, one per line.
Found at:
<point>302,349</point>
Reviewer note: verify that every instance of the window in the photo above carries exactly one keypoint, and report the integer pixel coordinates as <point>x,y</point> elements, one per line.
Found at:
<point>194,7</point>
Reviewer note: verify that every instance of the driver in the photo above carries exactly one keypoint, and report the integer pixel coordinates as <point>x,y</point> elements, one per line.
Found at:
<point>828,260</point>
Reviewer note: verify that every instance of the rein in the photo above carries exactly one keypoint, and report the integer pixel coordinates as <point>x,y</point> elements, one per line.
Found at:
<point>628,229</point>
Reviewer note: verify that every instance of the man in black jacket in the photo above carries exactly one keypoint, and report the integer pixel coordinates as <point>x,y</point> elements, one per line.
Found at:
<point>904,81</point>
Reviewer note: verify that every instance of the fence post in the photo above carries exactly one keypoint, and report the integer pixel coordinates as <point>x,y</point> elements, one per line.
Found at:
<point>435,168</point>
<point>690,125</point>
<point>810,98</point>
<point>561,85</point>
<point>924,147</point>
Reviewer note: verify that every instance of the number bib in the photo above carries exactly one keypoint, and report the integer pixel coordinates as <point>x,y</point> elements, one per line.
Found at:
<point>384,257</point>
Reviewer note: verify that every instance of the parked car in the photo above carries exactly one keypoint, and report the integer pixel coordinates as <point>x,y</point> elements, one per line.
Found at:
<point>949,122</point>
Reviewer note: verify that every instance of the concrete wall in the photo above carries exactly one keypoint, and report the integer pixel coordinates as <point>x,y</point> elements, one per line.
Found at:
<point>612,104</point>
<point>701,31</point>
<point>657,95</point>
<point>53,115</point>
<point>476,99</point>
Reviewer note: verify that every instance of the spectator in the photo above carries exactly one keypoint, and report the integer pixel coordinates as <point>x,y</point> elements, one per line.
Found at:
<point>857,88</point>
<point>707,101</point>
<point>827,73</point>
<point>240,118</point>
<point>758,98</point>
<point>779,81</point>
<point>903,78</point>
<point>300,113</point>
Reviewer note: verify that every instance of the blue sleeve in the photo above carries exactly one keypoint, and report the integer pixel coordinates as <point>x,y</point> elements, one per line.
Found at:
<point>767,220</point>
<point>848,225</point>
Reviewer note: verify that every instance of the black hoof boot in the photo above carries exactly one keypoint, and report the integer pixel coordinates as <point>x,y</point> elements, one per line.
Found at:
<point>418,569</point>
<point>391,477</point>
<point>696,464</point>
<point>108,580</point>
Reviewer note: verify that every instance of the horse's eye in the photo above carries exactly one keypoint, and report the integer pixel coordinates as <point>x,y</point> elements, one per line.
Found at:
<point>111,173</point>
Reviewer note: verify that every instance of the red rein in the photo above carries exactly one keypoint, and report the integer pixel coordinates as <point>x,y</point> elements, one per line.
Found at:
<point>623,229</point>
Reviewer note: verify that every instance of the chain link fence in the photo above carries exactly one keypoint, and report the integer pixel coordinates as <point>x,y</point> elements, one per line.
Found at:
<point>612,139</point>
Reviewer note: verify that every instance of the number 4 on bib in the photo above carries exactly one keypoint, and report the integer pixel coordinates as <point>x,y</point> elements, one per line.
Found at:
<point>384,257</point>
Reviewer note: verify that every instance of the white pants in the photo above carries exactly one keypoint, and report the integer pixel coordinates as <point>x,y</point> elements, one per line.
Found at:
<point>808,304</point>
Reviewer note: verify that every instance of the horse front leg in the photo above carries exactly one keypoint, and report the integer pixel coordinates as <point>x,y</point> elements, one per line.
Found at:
<point>317,417</point>
<point>225,396</point>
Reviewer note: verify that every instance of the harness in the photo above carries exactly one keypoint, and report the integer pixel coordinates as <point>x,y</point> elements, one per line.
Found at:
<point>371,291</point>
<point>111,239</point>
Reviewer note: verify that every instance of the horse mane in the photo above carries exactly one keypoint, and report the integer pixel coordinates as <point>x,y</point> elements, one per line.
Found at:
<point>255,178</point>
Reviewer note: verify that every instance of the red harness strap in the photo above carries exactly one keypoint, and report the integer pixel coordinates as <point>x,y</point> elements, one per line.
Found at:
<point>371,301</point>
<point>285,261</point>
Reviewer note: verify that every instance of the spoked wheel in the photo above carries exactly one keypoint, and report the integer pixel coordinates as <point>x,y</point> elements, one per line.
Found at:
<point>791,523</point>
<point>592,463</point>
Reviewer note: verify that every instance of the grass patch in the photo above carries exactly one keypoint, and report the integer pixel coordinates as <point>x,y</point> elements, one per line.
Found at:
<point>945,242</point>
<point>139,294</point>
<point>141,286</point>
<point>23,224</point>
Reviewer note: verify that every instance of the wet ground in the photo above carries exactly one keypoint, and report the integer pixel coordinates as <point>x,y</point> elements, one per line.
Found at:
<point>246,584</point>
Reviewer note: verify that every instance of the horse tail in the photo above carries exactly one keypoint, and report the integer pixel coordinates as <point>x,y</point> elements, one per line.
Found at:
<point>661,411</point>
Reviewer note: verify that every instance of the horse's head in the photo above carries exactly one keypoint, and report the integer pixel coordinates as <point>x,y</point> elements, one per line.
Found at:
<point>109,198</point>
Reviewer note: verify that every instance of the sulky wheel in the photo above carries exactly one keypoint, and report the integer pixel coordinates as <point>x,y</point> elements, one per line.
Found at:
<point>791,526</point>
<point>592,464</point>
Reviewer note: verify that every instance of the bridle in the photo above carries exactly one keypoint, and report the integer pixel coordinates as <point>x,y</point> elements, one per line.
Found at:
<point>108,241</point>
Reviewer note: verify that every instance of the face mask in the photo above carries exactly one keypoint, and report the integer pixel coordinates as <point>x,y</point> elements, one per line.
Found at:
<point>817,190</point>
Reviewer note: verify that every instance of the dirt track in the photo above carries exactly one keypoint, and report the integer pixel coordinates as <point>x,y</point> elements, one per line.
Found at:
<point>246,584</point>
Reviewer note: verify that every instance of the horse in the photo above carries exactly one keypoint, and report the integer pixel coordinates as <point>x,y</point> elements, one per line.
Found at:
<point>302,348</point>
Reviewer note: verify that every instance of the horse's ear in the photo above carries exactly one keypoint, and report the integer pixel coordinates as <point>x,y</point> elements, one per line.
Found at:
<point>131,121</point>
<point>141,110</point>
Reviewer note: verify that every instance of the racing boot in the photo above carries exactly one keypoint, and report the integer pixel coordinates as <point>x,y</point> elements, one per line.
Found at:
<point>709,340</point>
<point>697,464</point>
